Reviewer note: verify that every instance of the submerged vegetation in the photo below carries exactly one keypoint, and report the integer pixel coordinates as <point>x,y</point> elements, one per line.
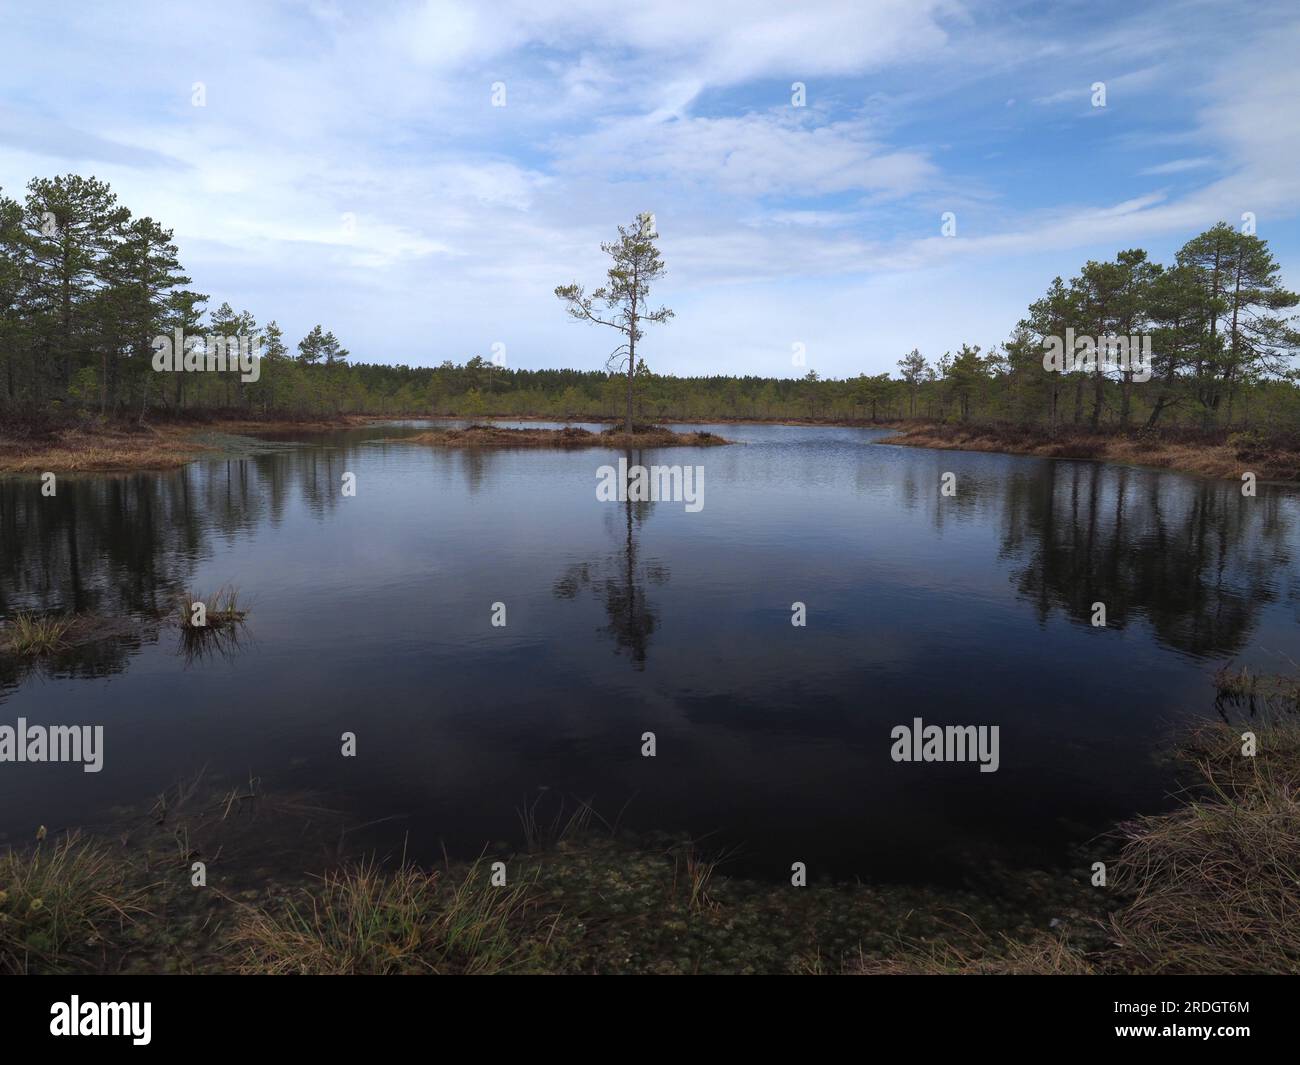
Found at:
<point>1250,690</point>
<point>1212,886</point>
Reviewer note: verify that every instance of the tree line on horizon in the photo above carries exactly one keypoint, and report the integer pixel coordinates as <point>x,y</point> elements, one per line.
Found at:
<point>85,287</point>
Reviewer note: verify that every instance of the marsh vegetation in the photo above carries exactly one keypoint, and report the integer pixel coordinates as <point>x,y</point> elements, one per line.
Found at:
<point>1211,886</point>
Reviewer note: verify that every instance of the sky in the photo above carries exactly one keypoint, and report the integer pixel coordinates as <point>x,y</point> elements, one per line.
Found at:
<point>353,165</point>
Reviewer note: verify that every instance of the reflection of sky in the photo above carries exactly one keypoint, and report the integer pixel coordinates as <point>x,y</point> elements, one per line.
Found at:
<point>371,614</point>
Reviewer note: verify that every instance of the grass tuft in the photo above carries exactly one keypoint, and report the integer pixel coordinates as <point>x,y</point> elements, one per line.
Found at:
<point>693,872</point>
<point>56,897</point>
<point>544,834</point>
<point>221,609</point>
<point>1246,689</point>
<point>31,634</point>
<point>1215,885</point>
<point>364,920</point>
<point>1044,955</point>
<point>223,628</point>
<point>360,921</point>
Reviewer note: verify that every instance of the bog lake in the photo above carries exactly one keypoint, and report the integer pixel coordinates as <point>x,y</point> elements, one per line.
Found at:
<point>373,614</point>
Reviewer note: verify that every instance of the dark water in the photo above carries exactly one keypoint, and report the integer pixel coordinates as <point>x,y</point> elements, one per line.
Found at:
<point>373,615</point>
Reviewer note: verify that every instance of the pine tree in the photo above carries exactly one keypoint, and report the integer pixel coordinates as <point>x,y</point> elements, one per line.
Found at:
<point>636,263</point>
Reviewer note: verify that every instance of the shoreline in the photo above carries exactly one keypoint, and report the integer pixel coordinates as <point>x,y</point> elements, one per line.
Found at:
<point>1198,889</point>
<point>166,445</point>
<point>1195,887</point>
<point>568,438</point>
<point>579,896</point>
<point>1272,462</point>
<point>162,445</point>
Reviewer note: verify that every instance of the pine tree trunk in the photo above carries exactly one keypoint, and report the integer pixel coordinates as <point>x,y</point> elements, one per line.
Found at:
<point>631,373</point>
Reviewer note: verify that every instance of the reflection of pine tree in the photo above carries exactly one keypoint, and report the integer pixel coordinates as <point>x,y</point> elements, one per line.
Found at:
<point>1184,555</point>
<point>125,546</point>
<point>620,580</point>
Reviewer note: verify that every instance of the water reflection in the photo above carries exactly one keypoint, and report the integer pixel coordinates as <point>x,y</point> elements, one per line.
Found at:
<point>101,545</point>
<point>108,653</point>
<point>374,610</point>
<point>619,581</point>
<point>1194,558</point>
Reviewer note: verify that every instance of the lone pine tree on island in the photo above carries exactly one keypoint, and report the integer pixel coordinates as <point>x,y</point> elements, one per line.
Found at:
<point>636,264</point>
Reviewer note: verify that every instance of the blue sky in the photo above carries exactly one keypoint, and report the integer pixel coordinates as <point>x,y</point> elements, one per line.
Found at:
<point>349,168</point>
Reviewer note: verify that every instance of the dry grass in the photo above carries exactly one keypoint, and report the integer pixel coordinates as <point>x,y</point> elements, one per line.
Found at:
<point>364,920</point>
<point>542,833</point>
<point>1046,955</point>
<point>659,436</point>
<point>1246,689</point>
<point>568,437</point>
<point>693,872</point>
<point>222,631</point>
<point>36,641</point>
<point>96,446</point>
<point>1215,885</point>
<point>93,450</point>
<point>1211,887</point>
<point>1211,455</point>
<point>221,609</point>
<point>59,896</point>
<point>31,634</point>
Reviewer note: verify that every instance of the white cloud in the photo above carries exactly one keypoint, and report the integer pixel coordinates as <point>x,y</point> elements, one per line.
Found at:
<point>1177,166</point>
<point>758,154</point>
<point>466,216</point>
